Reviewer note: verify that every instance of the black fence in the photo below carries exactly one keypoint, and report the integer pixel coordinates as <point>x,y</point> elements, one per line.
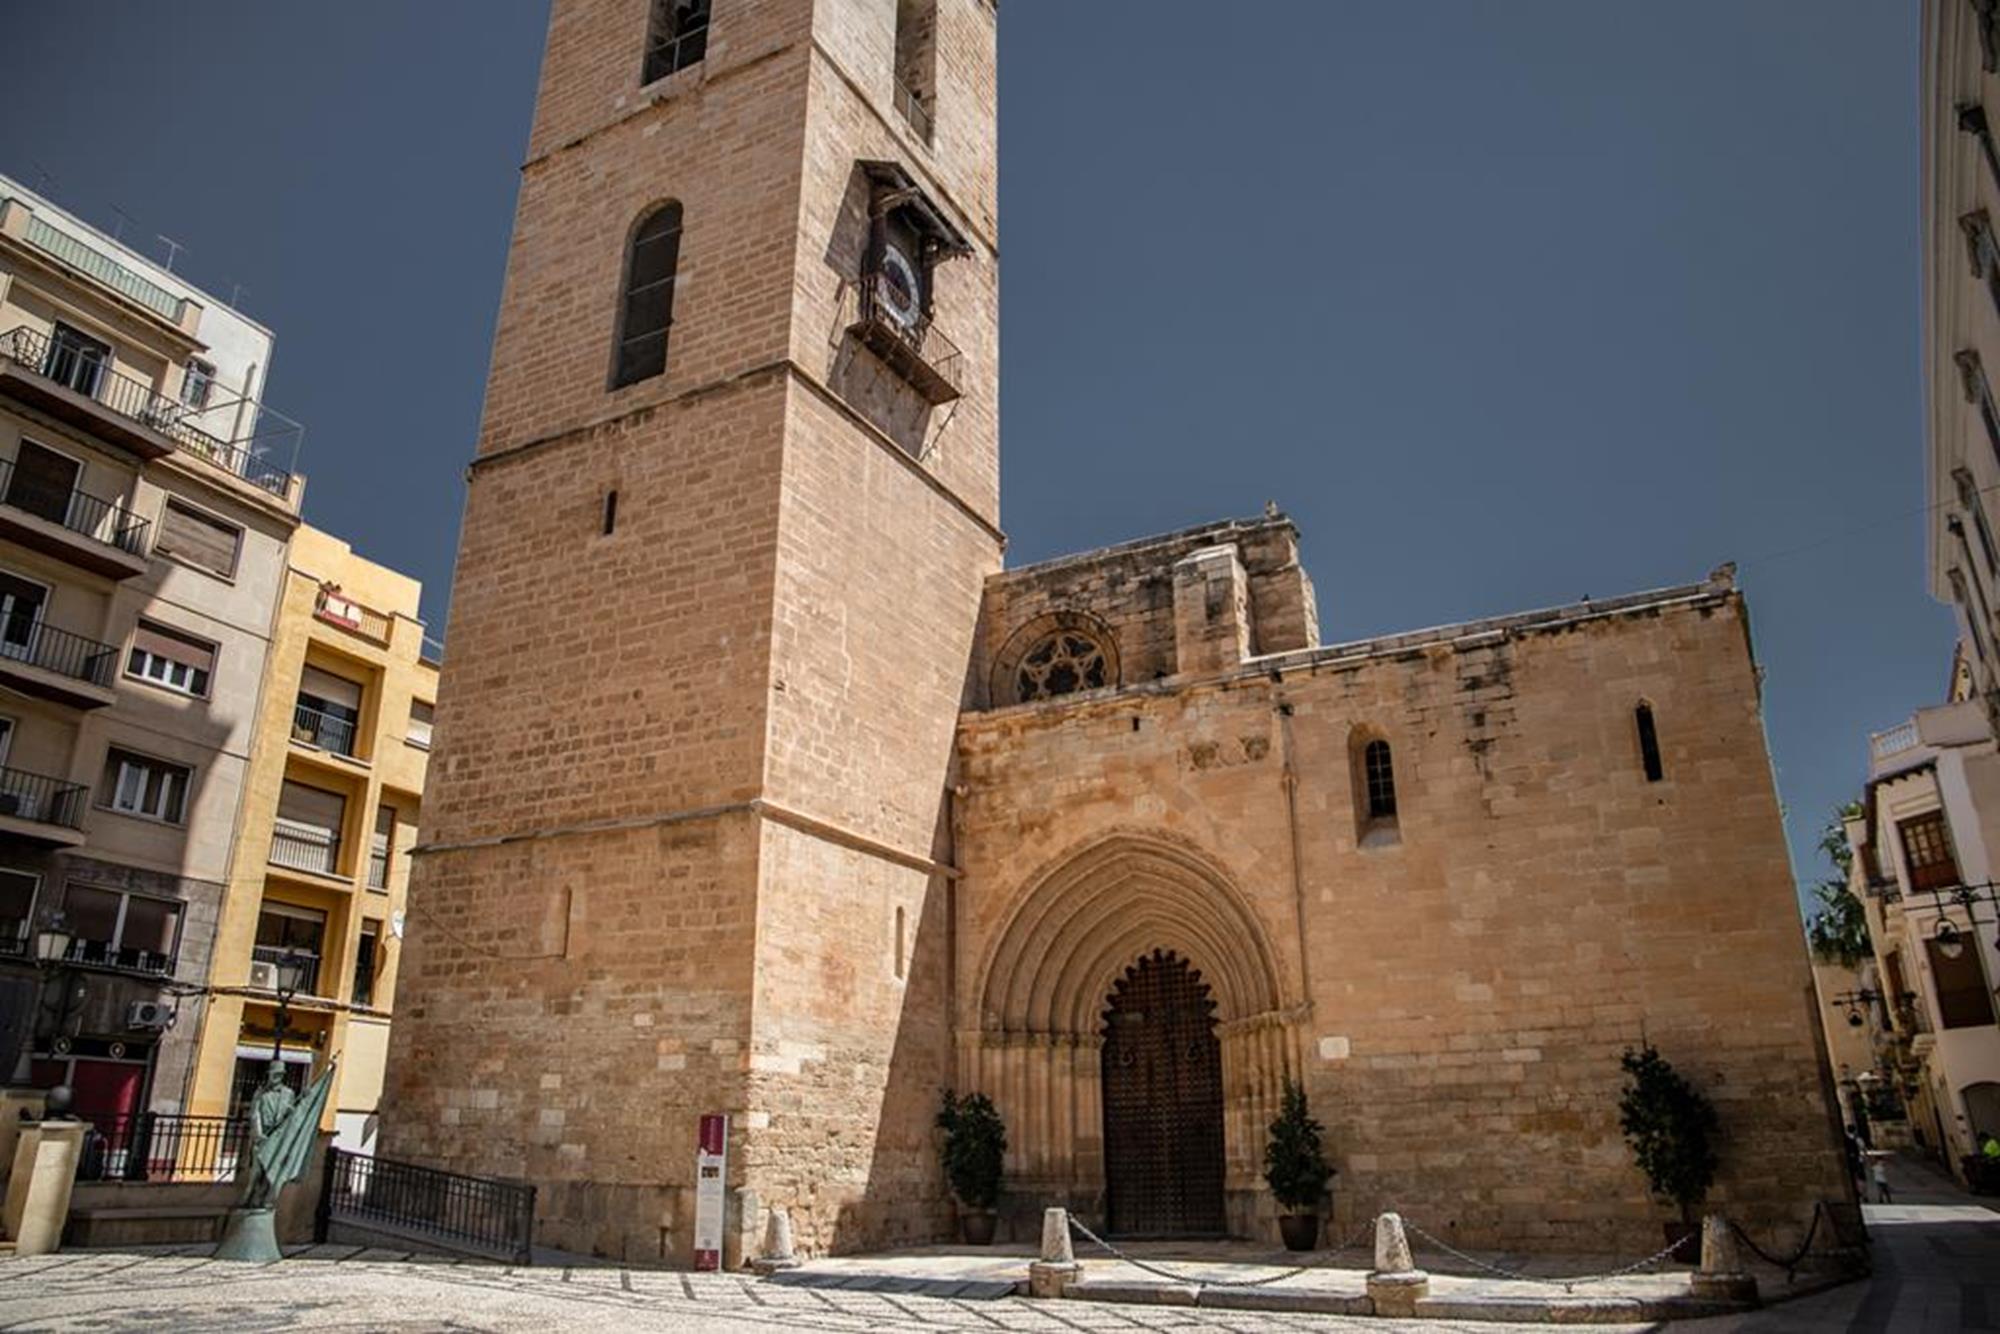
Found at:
<point>328,731</point>
<point>39,644</point>
<point>161,1147</point>
<point>456,1212</point>
<point>38,797</point>
<point>101,520</point>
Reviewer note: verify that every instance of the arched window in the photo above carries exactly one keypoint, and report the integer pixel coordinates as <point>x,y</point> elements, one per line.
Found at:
<point>1379,771</point>
<point>648,306</point>
<point>676,37</point>
<point>1061,664</point>
<point>1649,744</point>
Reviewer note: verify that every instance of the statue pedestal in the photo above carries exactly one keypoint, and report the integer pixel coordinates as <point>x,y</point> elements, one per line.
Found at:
<point>251,1235</point>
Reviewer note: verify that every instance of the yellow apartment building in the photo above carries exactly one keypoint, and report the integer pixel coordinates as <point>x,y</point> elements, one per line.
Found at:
<point>305,947</point>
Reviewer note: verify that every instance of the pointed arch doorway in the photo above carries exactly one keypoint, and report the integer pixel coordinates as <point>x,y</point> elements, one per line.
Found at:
<point>1162,1083</point>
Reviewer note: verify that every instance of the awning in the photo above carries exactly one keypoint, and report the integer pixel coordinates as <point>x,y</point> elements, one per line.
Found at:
<point>923,211</point>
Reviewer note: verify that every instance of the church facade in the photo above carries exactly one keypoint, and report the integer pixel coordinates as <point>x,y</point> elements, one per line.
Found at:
<point>760,787</point>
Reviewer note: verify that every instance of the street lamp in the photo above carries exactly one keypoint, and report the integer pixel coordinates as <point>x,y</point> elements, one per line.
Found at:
<point>51,955</point>
<point>291,978</point>
<point>1949,942</point>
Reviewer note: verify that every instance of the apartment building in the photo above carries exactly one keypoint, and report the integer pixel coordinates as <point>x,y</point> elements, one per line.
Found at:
<point>306,946</point>
<point>1925,846</point>
<point>147,497</point>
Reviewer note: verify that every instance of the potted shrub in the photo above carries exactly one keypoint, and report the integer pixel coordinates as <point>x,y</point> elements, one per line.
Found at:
<point>975,1145</point>
<point>1672,1129</point>
<point>1296,1169</point>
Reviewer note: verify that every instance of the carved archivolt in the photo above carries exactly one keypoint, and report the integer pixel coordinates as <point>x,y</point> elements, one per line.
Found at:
<point>1084,923</point>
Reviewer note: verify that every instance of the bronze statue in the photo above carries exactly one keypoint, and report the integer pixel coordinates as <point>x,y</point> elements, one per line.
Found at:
<point>283,1126</point>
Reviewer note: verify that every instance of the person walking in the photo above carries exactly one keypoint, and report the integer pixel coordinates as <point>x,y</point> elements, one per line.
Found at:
<point>1878,1175</point>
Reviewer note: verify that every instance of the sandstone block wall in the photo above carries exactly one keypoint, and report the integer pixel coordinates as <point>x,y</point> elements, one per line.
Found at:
<point>1456,997</point>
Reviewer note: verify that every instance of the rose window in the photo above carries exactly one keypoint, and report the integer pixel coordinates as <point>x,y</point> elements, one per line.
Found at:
<point>1061,664</point>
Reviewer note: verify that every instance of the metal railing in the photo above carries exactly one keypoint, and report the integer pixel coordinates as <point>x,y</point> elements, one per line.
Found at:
<point>302,850</point>
<point>317,727</point>
<point>330,606</point>
<point>29,796</point>
<point>125,958</point>
<point>104,521</point>
<point>24,639</point>
<point>919,335</point>
<point>14,935</point>
<point>378,868</point>
<point>914,111</point>
<point>163,1147</point>
<point>478,1214</point>
<point>261,429</point>
<point>304,962</point>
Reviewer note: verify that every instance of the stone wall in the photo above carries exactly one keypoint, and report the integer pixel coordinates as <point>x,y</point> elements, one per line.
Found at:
<point>1456,995</point>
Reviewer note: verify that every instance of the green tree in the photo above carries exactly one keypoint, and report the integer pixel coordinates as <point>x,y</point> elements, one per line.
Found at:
<point>1837,930</point>
<point>1295,1165</point>
<point>1671,1127</point>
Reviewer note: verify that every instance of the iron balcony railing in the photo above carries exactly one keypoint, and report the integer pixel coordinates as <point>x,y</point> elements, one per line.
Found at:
<point>163,1148</point>
<point>24,639</point>
<point>330,606</point>
<point>305,962</point>
<point>305,849</point>
<point>104,521</point>
<point>30,796</point>
<point>13,935</point>
<point>256,430</point>
<point>317,727</point>
<point>908,341</point>
<point>125,958</point>
<point>457,1212</point>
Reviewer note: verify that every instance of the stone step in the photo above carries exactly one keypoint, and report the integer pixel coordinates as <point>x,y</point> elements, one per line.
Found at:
<point>965,1289</point>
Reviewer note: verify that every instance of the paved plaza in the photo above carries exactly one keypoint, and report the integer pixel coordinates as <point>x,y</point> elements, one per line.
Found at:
<point>1936,1254</point>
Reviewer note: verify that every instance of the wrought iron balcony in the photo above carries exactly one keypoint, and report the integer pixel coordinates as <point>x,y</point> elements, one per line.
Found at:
<point>303,849</point>
<point>915,111</point>
<point>40,659</point>
<point>38,800</point>
<point>82,389</point>
<point>128,959</point>
<point>14,935</point>
<point>913,348</point>
<point>305,962</point>
<point>316,727</point>
<point>113,537</point>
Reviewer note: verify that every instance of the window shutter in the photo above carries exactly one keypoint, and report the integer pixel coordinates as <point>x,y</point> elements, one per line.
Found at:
<point>311,807</point>
<point>333,689</point>
<point>199,540</point>
<point>164,643</point>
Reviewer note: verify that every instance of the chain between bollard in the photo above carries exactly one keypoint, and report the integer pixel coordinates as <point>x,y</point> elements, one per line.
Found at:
<point>1790,1266</point>
<point>1366,1230</point>
<point>1569,1284</point>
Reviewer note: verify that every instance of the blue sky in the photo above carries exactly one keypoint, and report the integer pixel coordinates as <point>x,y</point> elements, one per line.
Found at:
<point>1505,304</point>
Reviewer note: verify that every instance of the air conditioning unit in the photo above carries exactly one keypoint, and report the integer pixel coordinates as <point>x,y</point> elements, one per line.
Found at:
<point>149,1015</point>
<point>264,975</point>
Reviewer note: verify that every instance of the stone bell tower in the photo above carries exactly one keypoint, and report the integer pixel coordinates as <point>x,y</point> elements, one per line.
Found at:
<point>735,494</point>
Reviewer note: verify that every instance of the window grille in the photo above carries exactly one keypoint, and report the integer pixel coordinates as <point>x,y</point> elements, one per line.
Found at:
<point>1379,770</point>
<point>676,37</point>
<point>648,308</point>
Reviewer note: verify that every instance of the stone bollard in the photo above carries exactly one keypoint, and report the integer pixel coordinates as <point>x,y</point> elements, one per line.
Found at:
<point>1722,1276</point>
<point>1056,1269</point>
<point>1395,1285</point>
<point>45,1158</point>
<point>777,1244</point>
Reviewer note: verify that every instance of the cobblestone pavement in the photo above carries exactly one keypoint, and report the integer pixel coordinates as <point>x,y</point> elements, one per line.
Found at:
<point>372,1290</point>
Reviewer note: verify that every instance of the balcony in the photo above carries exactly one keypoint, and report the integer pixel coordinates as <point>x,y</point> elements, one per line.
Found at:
<point>98,535</point>
<point>912,348</point>
<point>125,411</point>
<point>316,727</point>
<point>300,847</point>
<point>126,959</point>
<point>14,937</point>
<point>266,961</point>
<point>38,659</point>
<point>46,810</point>
<point>346,614</point>
<point>378,867</point>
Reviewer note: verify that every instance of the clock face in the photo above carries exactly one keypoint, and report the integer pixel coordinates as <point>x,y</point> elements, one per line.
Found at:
<point>902,296</point>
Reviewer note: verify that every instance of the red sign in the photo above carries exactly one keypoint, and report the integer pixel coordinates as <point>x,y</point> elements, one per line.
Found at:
<point>711,1164</point>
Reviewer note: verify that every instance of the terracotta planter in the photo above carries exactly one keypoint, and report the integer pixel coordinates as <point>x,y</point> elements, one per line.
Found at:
<point>1300,1231</point>
<point>977,1225</point>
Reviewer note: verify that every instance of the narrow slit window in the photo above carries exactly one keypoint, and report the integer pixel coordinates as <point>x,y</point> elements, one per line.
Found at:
<point>610,511</point>
<point>1380,772</point>
<point>1649,744</point>
<point>647,310</point>
<point>902,946</point>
